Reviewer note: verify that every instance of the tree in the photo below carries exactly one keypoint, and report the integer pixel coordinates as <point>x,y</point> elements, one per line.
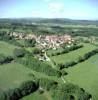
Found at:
<point>30,42</point>
<point>70,92</point>
<point>28,87</point>
<point>18,52</point>
<point>36,51</point>
<point>4,59</point>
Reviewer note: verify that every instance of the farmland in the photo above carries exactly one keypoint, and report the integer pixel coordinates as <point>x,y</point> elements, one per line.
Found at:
<point>48,61</point>
<point>35,96</point>
<point>73,55</point>
<point>6,48</point>
<point>85,75</point>
<point>12,75</point>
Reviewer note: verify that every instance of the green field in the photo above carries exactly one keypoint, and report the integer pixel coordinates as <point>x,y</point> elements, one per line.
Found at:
<point>85,75</point>
<point>12,75</point>
<point>35,96</point>
<point>49,52</point>
<point>73,55</point>
<point>6,48</point>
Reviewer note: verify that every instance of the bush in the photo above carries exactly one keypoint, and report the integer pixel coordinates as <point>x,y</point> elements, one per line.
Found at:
<point>30,42</point>
<point>39,66</point>
<point>47,84</point>
<point>80,59</point>
<point>36,51</point>
<point>19,52</point>
<point>17,93</point>
<point>28,87</point>
<point>70,92</point>
<point>67,50</point>
<point>4,59</point>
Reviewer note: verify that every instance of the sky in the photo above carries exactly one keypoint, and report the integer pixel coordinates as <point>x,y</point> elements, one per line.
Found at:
<point>72,9</point>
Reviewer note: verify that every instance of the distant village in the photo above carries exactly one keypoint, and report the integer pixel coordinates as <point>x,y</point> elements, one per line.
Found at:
<point>50,41</point>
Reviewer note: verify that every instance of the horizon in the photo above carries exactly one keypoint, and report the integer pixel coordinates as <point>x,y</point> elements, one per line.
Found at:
<point>50,18</point>
<point>50,9</point>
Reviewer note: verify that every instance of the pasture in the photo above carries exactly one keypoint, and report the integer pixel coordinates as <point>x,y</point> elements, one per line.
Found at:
<point>35,96</point>
<point>73,55</point>
<point>12,75</point>
<point>6,48</point>
<point>85,75</point>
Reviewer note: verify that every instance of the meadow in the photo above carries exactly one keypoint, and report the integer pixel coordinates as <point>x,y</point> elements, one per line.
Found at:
<point>6,48</point>
<point>12,75</point>
<point>85,75</point>
<point>74,55</point>
<point>35,96</point>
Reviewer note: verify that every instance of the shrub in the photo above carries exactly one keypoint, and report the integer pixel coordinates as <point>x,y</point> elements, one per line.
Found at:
<point>4,59</point>
<point>19,52</point>
<point>70,92</point>
<point>17,93</point>
<point>30,42</point>
<point>47,84</point>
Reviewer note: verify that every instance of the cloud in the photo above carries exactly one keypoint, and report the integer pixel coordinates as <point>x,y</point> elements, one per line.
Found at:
<point>56,7</point>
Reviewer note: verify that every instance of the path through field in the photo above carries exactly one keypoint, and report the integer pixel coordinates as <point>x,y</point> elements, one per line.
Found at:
<point>63,79</point>
<point>53,66</point>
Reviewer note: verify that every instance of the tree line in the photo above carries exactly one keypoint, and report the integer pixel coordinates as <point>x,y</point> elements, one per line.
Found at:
<point>58,91</point>
<point>15,94</point>
<point>80,59</point>
<point>66,50</point>
<point>4,36</point>
<point>38,66</point>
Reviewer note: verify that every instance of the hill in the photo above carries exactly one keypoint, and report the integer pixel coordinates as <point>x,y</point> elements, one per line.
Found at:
<point>48,20</point>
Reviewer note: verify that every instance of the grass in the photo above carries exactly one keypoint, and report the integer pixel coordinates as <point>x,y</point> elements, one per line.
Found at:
<point>12,75</point>
<point>85,75</point>
<point>41,75</point>
<point>49,52</point>
<point>63,58</point>
<point>6,48</point>
<point>35,96</point>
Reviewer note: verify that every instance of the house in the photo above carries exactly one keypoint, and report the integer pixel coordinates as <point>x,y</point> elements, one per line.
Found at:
<point>53,41</point>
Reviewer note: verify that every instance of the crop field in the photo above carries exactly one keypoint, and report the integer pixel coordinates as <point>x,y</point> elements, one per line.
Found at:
<point>63,58</point>
<point>85,75</point>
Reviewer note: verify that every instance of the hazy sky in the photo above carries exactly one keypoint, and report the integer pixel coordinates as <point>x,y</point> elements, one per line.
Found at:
<point>74,9</point>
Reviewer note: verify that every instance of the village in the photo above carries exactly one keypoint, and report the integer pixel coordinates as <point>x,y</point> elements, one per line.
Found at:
<point>49,41</point>
<point>52,42</point>
<point>45,42</point>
